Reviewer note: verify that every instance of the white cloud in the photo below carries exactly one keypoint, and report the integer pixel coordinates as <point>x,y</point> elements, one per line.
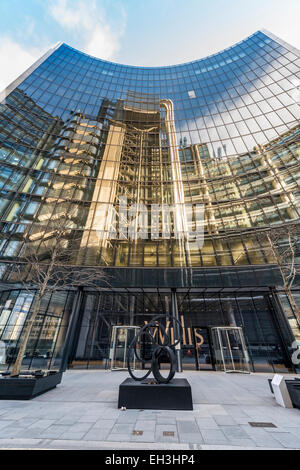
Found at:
<point>72,15</point>
<point>14,60</point>
<point>102,44</point>
<point>89,22</point>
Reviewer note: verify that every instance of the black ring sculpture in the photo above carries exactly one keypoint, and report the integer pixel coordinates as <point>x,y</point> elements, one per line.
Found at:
<point>166,347</point>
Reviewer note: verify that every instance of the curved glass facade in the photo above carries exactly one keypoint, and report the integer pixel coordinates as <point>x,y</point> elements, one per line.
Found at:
<point>80,133</point>
<point>104,142</point>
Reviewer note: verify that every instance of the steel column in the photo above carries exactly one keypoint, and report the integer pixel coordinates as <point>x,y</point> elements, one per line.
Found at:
<point>176,329</point>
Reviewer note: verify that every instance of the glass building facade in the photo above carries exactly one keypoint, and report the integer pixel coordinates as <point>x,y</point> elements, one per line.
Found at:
<point>106,143</point>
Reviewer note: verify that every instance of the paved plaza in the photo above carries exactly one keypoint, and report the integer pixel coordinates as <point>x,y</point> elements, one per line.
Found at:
<point>82,413</point>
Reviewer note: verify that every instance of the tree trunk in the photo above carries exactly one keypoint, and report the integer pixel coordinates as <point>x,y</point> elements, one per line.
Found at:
<point>25,337</point>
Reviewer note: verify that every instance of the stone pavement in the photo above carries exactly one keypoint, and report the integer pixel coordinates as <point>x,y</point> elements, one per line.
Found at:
<point>82,413</point>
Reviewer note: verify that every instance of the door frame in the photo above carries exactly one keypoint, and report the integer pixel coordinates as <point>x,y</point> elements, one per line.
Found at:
<point>244,346</point>
<point>112,348</point>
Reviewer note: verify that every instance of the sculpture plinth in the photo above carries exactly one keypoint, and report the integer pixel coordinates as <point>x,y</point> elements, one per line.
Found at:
<point>160,393</point>
<point>174,395</point>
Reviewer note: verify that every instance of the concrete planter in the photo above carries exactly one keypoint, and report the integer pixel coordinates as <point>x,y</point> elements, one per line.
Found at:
<point>23,388</point>
<point>294,391</point>
<point>293,386</point>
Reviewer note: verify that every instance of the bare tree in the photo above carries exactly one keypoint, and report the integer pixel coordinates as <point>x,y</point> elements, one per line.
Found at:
<point>48,264</point>
<point>283,243</point>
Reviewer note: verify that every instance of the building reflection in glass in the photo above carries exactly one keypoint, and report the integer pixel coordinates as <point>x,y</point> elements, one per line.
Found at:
<point>79,135</point>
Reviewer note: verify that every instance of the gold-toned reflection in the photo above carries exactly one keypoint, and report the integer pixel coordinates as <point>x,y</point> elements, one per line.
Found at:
<point>130,152</point>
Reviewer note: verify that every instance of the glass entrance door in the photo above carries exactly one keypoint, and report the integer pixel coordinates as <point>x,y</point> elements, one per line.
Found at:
<point>203,353</point>
<point>121,339</point>
<point>230,349</point>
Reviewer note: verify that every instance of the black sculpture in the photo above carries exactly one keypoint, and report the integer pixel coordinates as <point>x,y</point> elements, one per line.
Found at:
<point>163,393</point>
<point>159,349</point>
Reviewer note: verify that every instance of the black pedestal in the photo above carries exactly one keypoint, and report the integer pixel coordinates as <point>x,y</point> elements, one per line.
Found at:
<point>176,395</point>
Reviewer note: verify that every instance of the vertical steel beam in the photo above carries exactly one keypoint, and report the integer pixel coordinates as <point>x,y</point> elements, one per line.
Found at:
<point>71,329</point>
<point>176,329</point>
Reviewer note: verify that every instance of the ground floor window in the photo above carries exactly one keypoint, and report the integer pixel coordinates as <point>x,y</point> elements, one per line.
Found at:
<point>47,341</point>
<point>266,331</point>
<point>93,330</point>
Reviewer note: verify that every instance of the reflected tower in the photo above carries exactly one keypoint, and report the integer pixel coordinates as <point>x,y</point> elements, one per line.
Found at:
<point>128,153</point>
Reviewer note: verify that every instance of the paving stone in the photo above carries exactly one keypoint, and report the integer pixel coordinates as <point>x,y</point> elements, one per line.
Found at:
<point>54,432</point>
<point>278,429</point>
<point>235,411</point>
<point>293,430</point>
<point>148,425</point>
<point>3,411</point>
<point>239,420</point>
<point>287,440</point>
<point>53,416</point>
<point>67,421</point>
<point>42,424</point>
<point>206,423</point>
<point>187,427</point>
<point>214,436</point>
<point>191,438</point>
<point>31,433</point>
<point>166,420</point>
<point>80,427</point>
<point>118,437</point>
<point>6,423</point>
<point>96,434</point>
<point>225,420</point>
<point>26,422</point>
<point>10,431</point>
<point>20,443</point>
<point>261,437</point>
<point>123,428</point>
<point>88,419</point>
<point>234,432</point>
<point>127,418</point>
<point>146,416</point>
<point>111,414</point>
<point>147,436</point>
<point>207,411</point>
<point>73,436</point>
<point>285,423</point>
<point>15,415</point>
<point>244,443</point>
<point>104,424</point>
<point>178,414</point>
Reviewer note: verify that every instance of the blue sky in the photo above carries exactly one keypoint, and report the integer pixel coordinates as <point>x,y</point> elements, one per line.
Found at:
<point>137,32</point>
